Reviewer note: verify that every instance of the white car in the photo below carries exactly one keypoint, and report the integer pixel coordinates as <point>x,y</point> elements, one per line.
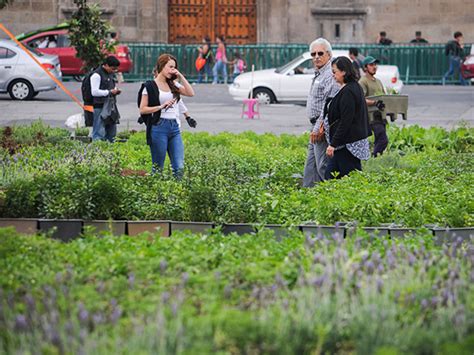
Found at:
<point>21,76</point>
<point>291,82</point>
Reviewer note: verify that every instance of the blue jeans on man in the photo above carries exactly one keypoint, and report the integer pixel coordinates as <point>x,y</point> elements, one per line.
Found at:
<point>454,67</point>
<point>166,138</point>
<point>219,67</point>
<point>101,131</point>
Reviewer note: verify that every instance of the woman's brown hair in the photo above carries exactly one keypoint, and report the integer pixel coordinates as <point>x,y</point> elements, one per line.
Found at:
<point>160,64</point>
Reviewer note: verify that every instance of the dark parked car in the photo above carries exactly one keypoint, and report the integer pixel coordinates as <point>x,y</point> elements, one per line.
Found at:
<point>55,40</point>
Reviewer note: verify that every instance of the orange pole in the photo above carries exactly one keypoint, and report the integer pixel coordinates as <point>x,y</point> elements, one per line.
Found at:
<point>60,84</point>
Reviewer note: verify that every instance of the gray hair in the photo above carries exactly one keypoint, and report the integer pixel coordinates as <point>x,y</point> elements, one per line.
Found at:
<point>324,42</point>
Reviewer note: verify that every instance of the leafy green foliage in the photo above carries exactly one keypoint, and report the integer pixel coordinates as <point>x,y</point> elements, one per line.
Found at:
<point>211,293</point>
<point>88,34</point>
<point>424,178</point>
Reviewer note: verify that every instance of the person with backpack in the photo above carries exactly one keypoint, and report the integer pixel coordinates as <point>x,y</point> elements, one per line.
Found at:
<point>96,88</point>
<point>454,49</point>
<point>205,53</point>
<point>239,65</point>
<point>159,110</point>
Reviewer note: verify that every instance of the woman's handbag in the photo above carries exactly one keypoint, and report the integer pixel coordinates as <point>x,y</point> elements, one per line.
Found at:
<point>320,133</point>
<point>200,63</point>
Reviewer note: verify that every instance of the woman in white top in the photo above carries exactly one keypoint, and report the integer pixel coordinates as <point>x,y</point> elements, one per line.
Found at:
<point>165,134</point>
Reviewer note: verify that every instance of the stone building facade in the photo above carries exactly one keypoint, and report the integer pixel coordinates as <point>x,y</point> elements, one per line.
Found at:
<point>277,21</point>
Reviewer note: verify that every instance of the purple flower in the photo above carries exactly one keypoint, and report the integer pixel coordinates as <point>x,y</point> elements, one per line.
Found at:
<point>21,323</point>
<point>165,296</point>
<point>185,278</point>
<point>379,283</point>
<point>424,303</point>
<point>116,314</point>
<point>83,314</point>
<point>131,280</point>
<point>163,266</point>
<point>411,259</point>
<point>370,267</point>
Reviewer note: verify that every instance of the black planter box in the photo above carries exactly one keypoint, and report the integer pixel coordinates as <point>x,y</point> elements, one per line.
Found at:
<point>239,228</point>
<point>21,225</point>
<point>401,232</point>
<point>279,230</point>
<point>377,231</point>
<point>63,229</point>
<point>315,230</point>
<point>449,235</point>
<point>109,227</point>
<point>195,227</point>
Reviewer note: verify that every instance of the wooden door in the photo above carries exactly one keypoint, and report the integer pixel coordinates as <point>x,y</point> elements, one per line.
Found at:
<point>191,20</point>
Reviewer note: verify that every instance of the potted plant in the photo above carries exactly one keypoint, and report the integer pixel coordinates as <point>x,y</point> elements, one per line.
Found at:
<point>138,227</point>
<point>82,134</point>
<point>109,227</point>
<point>195,227</point>
<point>62,229</point>
<point>122,136</point>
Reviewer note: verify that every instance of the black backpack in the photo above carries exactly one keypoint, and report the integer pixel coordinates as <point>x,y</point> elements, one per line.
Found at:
<point>87,97</point>
<point>153,100</point>
<point>86,89</point>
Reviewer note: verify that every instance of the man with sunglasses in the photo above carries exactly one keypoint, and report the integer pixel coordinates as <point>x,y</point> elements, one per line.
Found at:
<point>323,87</point>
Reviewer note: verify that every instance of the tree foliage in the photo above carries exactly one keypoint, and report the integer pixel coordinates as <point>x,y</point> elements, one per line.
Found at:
<point>88,34</point>
<point>4,3</point>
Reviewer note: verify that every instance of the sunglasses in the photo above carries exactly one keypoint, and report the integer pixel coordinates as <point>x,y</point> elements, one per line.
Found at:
<point>320,54</point>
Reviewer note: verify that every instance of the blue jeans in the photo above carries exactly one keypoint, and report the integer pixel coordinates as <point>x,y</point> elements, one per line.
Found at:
<point>220,66</point>
<point>100,131</point>
<point>454,67</point>
<point>166,137</point>
<point>205,70</point>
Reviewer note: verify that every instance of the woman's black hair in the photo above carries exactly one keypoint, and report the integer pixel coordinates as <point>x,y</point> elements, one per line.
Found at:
<point>344,64</point>
<point>207,39</point>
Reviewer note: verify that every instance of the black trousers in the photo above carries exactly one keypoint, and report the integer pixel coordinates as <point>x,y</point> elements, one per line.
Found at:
<point>380,137</point>
<point>341,164</point>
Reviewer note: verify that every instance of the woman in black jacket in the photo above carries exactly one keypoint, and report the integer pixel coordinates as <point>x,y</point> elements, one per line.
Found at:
<point>347,123</point>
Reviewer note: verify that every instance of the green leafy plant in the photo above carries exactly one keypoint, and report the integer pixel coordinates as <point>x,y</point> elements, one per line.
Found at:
<point>88,34</point>
<point>4,3</point>
<point>81,132</point>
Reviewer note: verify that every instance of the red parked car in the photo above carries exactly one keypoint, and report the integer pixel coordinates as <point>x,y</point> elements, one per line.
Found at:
<point>55,40</point>
<point>467,67</point>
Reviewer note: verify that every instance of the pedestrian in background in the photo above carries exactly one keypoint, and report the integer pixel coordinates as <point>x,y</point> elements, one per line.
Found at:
<point>221,61</point>
<point>238,64</point>
<point>454,49</point>
<point>205,52</point>
<point>322,87</point>
<point>372,86</point>
<point>346,124</point>
<point>356,61</point>
<point>418,39</point>
<point>383,39</point>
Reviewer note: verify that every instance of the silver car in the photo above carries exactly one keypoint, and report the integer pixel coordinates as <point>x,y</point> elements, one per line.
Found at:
<point>21,76</point>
